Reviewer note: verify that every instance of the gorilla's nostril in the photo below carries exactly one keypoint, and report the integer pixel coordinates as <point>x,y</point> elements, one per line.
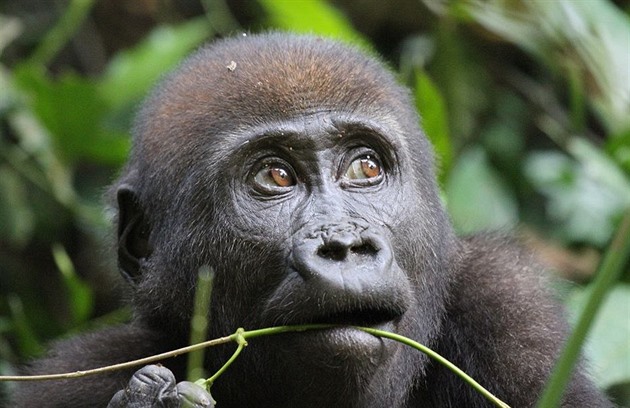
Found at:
<point>338,252</point>
<point>364,249</point>
<point>334,252</point>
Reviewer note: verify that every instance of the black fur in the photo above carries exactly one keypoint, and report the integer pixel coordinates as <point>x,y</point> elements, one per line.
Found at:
<point>327,247</point>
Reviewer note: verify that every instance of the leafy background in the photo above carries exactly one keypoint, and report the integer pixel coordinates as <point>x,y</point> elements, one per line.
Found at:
<point>527,103</point>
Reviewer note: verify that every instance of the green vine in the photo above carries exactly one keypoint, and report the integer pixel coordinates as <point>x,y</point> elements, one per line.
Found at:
<point>241,336</point>
<point>240,340</point>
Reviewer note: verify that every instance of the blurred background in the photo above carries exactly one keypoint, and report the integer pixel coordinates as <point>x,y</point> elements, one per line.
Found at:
<point>527,103</point>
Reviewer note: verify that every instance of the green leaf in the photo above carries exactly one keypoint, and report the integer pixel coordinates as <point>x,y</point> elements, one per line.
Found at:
<point>72,111</point>
<point>27,340</point>
<point>619,149</point>
<point>600,166</point>
<point>89,119</point>
<point>608,347</point>
<point>313,16</point>
<point>587,37</point>
<point>430,104</point>
<point>477,197</point>
<point>582,193</point>
<point>79,293</point>
<point>17,220</point>
<point>133,72</point>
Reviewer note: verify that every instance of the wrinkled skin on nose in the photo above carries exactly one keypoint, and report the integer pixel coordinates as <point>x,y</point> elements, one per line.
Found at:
<point>343,257</point>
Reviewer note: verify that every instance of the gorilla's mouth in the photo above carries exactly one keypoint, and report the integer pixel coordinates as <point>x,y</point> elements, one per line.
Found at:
<point>344,340</point>
<point>365,317</point>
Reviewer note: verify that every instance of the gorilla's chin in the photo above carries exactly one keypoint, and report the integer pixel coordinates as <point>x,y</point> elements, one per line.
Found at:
<point>351,343</point>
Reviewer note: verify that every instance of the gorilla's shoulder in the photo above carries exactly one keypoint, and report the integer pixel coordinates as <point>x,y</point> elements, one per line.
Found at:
<point>499,274</point>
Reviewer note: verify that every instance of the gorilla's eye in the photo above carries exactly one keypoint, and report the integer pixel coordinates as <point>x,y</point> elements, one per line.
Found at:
<point>274,175</point>
<point>364,168</point>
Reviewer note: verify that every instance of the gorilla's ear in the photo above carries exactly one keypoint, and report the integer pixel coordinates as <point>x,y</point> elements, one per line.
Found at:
<point>133,233</point>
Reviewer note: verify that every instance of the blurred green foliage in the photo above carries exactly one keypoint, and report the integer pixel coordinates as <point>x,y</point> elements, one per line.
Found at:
<point>608,345</point>
<point>527,103</point>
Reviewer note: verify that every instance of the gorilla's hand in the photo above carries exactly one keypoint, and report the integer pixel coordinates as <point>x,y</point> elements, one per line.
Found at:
<point>155,386</point>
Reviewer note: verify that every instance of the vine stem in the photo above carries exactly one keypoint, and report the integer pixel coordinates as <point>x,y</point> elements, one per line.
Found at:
<point>240,339</point>
<point>241,336</point>
<point>169,354</point>
<point>432,354</point>
<point>121,366</point>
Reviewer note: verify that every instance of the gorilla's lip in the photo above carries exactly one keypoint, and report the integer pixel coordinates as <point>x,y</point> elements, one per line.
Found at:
<point>365,318</point>
<point>302,305</point>
<point>346,340</point>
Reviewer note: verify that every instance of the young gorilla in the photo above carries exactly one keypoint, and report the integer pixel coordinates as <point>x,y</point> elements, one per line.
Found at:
<point>295,167</point>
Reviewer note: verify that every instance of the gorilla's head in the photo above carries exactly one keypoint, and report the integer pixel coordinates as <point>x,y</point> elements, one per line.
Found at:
<point>296,168</point>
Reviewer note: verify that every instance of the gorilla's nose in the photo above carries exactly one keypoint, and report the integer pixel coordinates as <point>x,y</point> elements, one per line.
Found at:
<point>342,257</point>
<point>341,245</point>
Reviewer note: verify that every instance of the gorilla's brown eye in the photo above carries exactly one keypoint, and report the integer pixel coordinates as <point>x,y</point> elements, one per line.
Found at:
<point>274,175</point>
<point>365,167</point>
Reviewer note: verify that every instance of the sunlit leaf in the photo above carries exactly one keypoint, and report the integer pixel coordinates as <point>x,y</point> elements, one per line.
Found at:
<point>313,16</point>
<point>131,73</point>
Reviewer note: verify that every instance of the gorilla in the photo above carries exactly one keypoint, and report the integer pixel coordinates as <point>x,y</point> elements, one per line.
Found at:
<point>296,168</point>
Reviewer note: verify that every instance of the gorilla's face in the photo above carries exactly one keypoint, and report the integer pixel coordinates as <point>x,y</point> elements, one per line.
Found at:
<point>318,197</point>
<point>317,224</point>
<point>309,189</point>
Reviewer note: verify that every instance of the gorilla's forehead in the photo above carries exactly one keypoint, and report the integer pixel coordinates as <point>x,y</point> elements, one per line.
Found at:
<point>319,130</point>
<point>244,83</point>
